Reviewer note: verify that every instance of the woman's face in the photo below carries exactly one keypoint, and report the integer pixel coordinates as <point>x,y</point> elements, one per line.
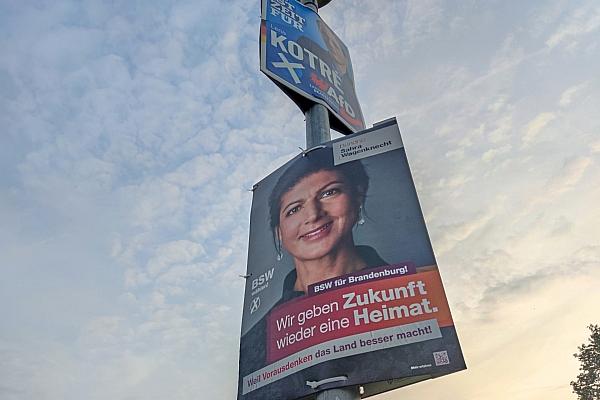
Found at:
<point>335,48</point>
<point>316,216</point>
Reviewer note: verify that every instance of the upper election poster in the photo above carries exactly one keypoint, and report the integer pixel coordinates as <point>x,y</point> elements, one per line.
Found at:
<point>343,286</point>
<point>309,62</point>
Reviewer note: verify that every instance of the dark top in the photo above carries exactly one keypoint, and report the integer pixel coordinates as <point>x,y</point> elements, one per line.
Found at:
<point>366,253</point>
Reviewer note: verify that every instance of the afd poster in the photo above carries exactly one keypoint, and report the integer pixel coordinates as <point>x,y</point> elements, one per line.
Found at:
<point>305,58</point>
<point>343,287</point>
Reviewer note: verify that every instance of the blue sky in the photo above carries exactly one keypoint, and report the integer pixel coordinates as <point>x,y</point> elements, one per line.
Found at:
<point>131,131</point>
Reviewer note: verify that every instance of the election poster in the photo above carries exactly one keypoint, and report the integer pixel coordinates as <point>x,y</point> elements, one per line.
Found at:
<point>309,62</point>
<point>342,288</point>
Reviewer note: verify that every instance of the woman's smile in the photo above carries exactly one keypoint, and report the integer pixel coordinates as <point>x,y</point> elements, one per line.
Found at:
<point>318,233</point>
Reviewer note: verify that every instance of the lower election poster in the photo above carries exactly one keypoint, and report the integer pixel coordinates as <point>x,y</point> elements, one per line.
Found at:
<point>343,287</point>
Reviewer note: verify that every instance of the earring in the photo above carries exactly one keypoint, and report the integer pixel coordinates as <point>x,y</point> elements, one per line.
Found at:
<point>361,218</point>
<point>278,248</point>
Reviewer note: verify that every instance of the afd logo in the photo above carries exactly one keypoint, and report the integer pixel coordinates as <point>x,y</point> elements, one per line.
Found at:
<point>263,279</point>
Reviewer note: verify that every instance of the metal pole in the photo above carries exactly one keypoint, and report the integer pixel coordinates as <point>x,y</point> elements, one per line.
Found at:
<point>317,116</point>
<point>317,125</point>
<point>317,132</point>
<point>347,393</point>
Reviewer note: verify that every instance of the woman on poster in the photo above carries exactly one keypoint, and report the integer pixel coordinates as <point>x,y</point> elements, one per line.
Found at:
<point>313,209</point>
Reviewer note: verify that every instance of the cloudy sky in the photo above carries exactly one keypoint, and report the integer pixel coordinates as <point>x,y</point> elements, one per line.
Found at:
<point>130,132</point>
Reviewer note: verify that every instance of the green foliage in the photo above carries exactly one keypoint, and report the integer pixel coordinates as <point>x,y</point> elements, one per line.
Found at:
<point>587,385</point>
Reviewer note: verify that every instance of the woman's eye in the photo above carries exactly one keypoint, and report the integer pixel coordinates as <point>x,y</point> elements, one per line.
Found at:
<point>329,192</point>
<point>292,210</point>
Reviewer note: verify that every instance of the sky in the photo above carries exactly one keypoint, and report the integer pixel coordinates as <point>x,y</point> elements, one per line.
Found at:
<point>131,131</point>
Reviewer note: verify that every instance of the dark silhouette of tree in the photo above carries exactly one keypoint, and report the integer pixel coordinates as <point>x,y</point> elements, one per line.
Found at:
<point>587,385</point>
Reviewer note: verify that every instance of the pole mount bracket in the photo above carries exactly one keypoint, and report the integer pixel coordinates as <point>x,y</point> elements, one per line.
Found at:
<point>316,384</point>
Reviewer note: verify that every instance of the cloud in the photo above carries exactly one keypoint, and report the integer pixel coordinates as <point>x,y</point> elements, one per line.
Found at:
<point>200,170</point>
<point>458,232</point>
<point>569,176</point>
<point>579,23</point>
<point>42,371</point>
<point>173,253</point>
<point>535,127</point>
<point>493,153</point>
<point>566,98</point>
<point>422,20</point>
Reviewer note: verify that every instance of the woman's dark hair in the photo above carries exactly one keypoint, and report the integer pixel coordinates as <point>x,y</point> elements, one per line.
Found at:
<point>329,33</point>
<point>315,160</point>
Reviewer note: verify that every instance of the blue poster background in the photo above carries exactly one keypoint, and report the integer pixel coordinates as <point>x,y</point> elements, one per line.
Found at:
<point>303,56</point>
